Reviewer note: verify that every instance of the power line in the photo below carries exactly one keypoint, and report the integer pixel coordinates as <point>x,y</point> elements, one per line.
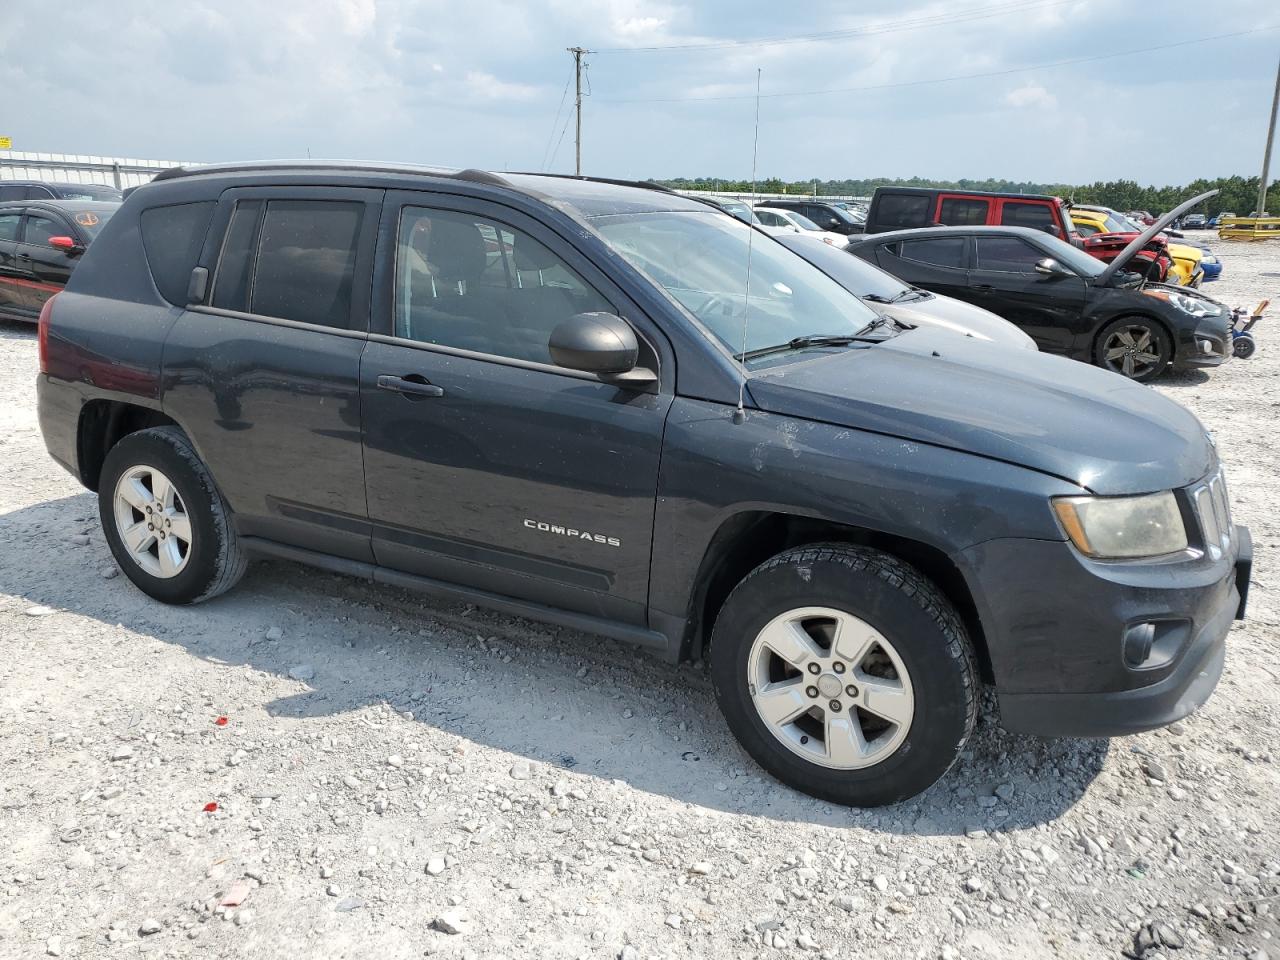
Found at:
<point>889,26</point>
<point>965,76</point>
<point>555,122</point>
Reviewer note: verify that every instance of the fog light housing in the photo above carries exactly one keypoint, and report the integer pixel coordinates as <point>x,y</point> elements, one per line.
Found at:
<point>1206,346</point>
<point>1154,643</point>
<point>1137,643</point>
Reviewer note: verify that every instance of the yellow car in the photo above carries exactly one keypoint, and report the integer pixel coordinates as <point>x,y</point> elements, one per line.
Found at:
<point>1106,233</point>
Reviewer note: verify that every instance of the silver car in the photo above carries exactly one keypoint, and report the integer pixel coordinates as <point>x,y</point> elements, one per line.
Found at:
<point>909,304</point>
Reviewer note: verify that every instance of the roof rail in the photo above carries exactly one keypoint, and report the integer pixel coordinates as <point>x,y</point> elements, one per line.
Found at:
<point>368,166</point>
<point>642,184</point>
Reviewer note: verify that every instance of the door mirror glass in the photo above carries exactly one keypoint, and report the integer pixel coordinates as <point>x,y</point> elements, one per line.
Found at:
<point>599,343</point>
<point>1051,268</point>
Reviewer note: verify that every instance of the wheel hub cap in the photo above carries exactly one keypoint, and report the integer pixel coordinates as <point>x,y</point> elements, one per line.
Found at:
<point>152,521</point>
<point>830,687</point>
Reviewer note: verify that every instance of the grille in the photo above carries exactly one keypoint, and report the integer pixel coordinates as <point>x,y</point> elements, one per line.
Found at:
<point>1213,510</point>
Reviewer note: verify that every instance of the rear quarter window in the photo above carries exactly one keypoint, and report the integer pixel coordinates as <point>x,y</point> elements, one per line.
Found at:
<point>939,251</point>
<point>172,237</point>
<point>897,210</point>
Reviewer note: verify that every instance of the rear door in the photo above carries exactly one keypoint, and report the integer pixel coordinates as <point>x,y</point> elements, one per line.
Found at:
<point>264,371</point>
<point>1004,280</point>
<point>1035,214</point>
<point>13,299</point>
<point>936,263</point>
<point>47,268</point>
<point>487,465</point>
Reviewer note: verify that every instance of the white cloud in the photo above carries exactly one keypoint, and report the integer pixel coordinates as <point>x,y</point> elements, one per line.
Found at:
<point>1031,95</point>
<point>488,87</point>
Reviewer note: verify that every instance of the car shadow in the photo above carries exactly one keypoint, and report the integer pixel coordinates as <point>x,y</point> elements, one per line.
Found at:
<point>1181,379</point>
<point>554,696</point>
<point>17,330</point>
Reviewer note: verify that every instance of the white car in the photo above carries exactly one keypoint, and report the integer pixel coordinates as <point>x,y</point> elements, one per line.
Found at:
<point>788,221</point>
<point>887,294</point>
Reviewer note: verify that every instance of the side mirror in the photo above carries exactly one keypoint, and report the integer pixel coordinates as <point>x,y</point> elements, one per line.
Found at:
<point>599,343</point>
<point>1052,268</point>
<point>68,244</point>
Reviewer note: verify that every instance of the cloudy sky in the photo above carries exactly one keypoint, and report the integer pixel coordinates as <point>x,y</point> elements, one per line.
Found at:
<point>479,82</point>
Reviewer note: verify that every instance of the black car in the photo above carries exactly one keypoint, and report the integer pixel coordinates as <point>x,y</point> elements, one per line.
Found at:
<point>1069,302</point>
<point>41,242</point>
<point>573,400</point>
<point>828,215</point>
<point>56,190</point>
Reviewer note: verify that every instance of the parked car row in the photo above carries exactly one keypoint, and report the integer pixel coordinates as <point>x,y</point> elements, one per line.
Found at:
<point>40,243</point>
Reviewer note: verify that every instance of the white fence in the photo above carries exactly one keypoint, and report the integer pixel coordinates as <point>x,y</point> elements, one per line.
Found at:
<point>738,195</point>
<point>74,168</point>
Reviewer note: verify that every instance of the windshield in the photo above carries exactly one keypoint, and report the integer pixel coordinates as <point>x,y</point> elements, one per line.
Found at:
<point>1070,256</point>
<point>87,191</point>
<point>853,273</point>
<point>91,221</point>
<point>803,222</point>
<point>701,261</point>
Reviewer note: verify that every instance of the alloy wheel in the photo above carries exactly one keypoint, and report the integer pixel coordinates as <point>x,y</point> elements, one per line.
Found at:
<point>1132,351</point>
<point>152,521</point>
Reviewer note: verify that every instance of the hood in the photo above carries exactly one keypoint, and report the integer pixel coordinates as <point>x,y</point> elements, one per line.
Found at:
<point>1058,416</point>
<point>1142,239</point>
<point>959,317</point>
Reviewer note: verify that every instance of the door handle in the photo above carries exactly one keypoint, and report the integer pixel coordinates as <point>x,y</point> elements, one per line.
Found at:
<point>413,386</point>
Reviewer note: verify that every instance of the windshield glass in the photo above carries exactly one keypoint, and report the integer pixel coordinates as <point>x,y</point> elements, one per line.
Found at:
<point>92,221</point>
<point>803,222</point>
<point>701,261</point>
<point>853,273</point>
<point>1070,256</point>
<point>87,191</point>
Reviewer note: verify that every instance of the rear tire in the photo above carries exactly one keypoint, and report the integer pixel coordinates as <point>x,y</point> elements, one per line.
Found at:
<point>166,524</point>
<point>845,673</point>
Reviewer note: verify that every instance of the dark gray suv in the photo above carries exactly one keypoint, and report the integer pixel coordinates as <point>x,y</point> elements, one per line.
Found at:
<point>570,399</point>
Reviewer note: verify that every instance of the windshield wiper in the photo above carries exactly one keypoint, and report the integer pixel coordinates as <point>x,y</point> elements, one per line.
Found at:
<point>911,292</point>
<point>876,298</point>
<point>884,318</point>
<point>812,340</point>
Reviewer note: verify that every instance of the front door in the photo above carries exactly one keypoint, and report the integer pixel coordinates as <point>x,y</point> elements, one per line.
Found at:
<point>13,297</point>
<point>487,465</point>
<point>936,263</point>
<point>1004,280</point>
<point>48,268</point>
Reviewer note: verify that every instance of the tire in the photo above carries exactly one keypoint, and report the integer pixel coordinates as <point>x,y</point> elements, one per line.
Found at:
<point>874,599</point>
<point>190,552</point>
<point>1243,347</point>
<point>1142,357</point>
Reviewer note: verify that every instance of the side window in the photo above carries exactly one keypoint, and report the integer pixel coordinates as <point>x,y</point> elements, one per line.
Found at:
<point>40,193</point>
<point>40,229</point>
<point>939,251</point>
<point>1037,216</point>
<point>1085,229</point>
<point>770,219</point>
<point>235,263</point>
<point>12,192</point>
<point>307,261</point>
<point>172,237</point>
<point>9,225</point>
<point>821,216</point>
<point>468,282</point>
<point>964,211</point>
<point>1007,254</point>
<point>903,210</point>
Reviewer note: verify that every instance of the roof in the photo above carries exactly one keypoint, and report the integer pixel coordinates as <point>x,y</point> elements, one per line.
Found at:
<point>957,191</point>
<point>924,233</point>
<point>590,196</point>
<point>58,204</point>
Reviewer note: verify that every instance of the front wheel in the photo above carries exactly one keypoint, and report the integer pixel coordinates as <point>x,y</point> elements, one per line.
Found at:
<point>164,519</point>
<point>845,673</point>
<point>1134,347</point>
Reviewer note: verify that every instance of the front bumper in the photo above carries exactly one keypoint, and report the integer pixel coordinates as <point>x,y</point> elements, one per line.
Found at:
<point>1212,271</point>
<point>1209,345</point>
<point>1055,629</point>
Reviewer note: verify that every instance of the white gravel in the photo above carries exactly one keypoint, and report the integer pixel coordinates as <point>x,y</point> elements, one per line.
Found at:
<point>398,778</point>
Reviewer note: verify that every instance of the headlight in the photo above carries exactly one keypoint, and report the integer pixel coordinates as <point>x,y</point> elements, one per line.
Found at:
<point>1191,305</point>
<point>1208,258</point>
<point>1112,528</point>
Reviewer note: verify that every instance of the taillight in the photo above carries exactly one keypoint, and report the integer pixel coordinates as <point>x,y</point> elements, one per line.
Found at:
<point>42,334</point>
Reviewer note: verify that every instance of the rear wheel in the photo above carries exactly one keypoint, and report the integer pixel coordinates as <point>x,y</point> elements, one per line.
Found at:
<point>1134,347</point>
<point>164,520</point>
<point>845,674</point>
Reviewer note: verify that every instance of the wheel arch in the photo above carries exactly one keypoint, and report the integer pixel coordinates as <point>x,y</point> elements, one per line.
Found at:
<point>747,539</point>
<point>102,424</point>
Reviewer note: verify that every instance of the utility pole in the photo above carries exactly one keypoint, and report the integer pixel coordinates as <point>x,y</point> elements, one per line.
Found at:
<point>577,80</point>
<point>1266,156</point>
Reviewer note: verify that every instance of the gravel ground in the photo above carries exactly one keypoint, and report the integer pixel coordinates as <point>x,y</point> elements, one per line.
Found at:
<point>396,778</point>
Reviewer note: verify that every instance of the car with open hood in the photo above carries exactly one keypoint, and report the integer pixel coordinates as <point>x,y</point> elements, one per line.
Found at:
<point>618,410</point>
<point>911,305</point>
<point>1069,302</point>
<point>1106,233</point>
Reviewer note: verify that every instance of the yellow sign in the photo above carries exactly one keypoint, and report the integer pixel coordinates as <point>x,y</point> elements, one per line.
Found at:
<point>6,143</point>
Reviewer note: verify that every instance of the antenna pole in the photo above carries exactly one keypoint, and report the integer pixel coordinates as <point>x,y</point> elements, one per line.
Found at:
<point>1266,156</point>
<point>740,414</point>
<point>577,88</point>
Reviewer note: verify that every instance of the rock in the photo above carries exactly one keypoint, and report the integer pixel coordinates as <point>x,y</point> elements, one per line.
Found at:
<point>122,752</point>
<point>847,903</point>
<point>244,918</point>
<point>972,884</point>
<point>149,926</point>
<point>80,859</point>
<point>880,883</point>
<point>628,952</point>
<point>1048,854</point>
<point>806,942</point>
<point>435,866</point>
<point>701,868</point>
<point>326,872</point>
<point>273,633</point>
<point>560,788</point>
<point>109,573</point>
<point>53,946</point>
<point>110,793</point>
<point>521,770</point>
<point>454,922</point>
<point>40,610</point>
<point>948,952</point>
<point>1155,770</point>
<point>80,540</point>
<point>628,713</point>
<point>302,672</point>
<point>351,782</point>
<point>673,921</point>
<point>1005,792</point>
<point>395,760</point>
<point>333,890</point>
<point>347,904</point>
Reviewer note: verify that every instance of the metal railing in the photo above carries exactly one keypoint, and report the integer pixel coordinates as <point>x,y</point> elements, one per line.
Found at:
<point>76,168</point>
<point>1249,228</point>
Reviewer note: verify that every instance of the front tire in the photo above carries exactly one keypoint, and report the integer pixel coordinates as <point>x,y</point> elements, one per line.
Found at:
<point>164,520</point>
<point>845,673</point>
<point>1134,347</point>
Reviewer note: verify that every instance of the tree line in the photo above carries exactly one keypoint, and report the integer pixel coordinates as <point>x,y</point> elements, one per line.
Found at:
<point>1235,194</point>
